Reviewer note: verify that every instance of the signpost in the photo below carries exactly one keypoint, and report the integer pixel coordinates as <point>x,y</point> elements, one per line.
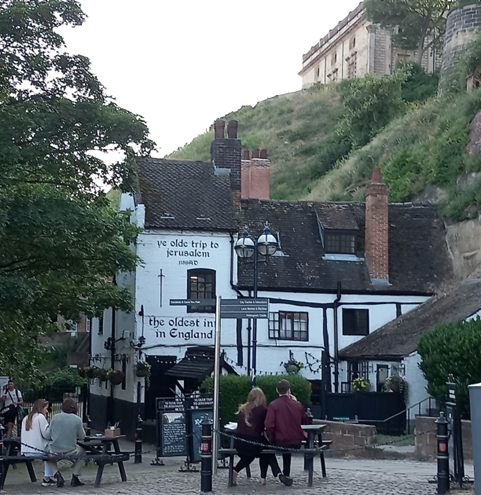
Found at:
<point>244,308</point>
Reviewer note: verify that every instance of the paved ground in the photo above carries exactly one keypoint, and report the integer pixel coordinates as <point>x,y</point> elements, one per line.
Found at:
<point>344,477</point>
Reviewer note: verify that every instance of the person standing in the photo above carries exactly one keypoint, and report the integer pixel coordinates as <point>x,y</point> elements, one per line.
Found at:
<point>12,398</point>
<point>66,429</point>
<point>250,440</point>
<point>35,436</point>
<point>285,415</point>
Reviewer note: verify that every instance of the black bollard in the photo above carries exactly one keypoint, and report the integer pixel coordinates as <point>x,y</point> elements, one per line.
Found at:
<point>206,456</point>
<point>138,441</point>
<point>309,422</point>
<point>88,430</point>
<point>443,454</point>
<point>1,456</point>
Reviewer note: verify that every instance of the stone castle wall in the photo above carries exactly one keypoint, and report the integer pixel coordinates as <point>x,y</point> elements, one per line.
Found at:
<point>462,24</point>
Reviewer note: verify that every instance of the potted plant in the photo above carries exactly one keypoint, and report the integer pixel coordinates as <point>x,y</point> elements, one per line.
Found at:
<point>396,384</point>
<point>102,374</point>
<point>115,377</point>
<point>142,368</point>
<point>89,372</point>
<point>293,367</point>
<point>361,384</point>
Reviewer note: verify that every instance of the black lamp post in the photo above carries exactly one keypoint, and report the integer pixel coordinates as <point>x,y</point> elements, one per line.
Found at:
<point>249,248</point>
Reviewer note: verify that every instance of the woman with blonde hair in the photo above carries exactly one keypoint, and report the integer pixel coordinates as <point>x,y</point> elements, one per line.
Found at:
<point>250,428</point>
<point>35,436</point>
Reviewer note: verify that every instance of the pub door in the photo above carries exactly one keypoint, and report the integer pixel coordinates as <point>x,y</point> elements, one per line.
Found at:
<point>160,385</point>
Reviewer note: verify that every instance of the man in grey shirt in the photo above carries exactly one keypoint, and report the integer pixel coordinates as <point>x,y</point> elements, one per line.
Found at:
<point>65,430</point>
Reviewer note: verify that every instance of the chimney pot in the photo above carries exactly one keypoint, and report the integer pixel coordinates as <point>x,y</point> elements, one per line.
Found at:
<point>264,154</point>
<point>247,155</point>
<point>219,129</point>
<point>232,129</point>
<point>376,176</point>
<point>255,153</point>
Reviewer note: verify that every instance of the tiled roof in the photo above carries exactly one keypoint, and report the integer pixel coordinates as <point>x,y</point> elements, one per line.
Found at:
<point>196,367</point>
<point>400,337</point>
<point>418,256</point>
<point>185,195</point>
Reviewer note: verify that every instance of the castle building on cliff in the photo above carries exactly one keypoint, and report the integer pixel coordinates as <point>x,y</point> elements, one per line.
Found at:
<point>354,48</point>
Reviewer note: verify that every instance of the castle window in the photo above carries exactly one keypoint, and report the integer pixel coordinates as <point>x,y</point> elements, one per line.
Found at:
<point>334,59</point>
<point>352,43</point>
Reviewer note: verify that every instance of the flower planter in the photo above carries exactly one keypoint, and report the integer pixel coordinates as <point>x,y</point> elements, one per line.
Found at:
<point>142,373</point>
<point>116,378</point>
<point>395,387</point>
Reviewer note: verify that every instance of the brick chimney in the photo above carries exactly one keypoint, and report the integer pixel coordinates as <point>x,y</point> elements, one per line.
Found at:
<point>225,153</point>
<point>377,228</point>
<point>255,175</point>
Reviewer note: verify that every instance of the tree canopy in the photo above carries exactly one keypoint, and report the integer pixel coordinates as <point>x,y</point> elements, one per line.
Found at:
<point>417,24</point>
<point>454,348</point>
<point>60,241</point>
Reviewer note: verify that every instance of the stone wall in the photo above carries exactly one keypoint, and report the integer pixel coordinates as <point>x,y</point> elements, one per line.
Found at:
<point>348,439</point>
<point>426,442</point>
<point>462,23</point>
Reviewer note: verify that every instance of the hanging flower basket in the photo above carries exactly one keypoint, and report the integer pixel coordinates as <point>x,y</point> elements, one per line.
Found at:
<point>396,384</point>
<point>142,369</point>
<point>116,377</point>
<point>89,372</point>
<point>102,375</point>
<point>293,367</point>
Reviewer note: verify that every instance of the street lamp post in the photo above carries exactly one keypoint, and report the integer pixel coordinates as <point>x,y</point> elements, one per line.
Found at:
<point>248,248</point>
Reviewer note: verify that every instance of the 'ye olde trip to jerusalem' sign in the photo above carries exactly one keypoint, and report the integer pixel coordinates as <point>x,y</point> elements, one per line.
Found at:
<point>187,248</point>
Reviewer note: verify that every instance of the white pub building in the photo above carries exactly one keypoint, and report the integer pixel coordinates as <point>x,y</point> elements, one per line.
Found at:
<point>341,271</point>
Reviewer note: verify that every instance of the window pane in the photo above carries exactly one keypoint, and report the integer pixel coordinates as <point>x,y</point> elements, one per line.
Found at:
<point>293,326</point>
<point>355,322</point>
<point>201,285</point>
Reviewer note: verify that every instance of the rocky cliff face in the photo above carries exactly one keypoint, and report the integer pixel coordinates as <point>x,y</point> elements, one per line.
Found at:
<point>464,242</point>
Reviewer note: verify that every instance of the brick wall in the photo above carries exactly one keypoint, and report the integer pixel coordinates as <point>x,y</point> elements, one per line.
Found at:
<point>377,228</point>
<point>461,27</point>
<point>426,442</point>
<point>348,439</point>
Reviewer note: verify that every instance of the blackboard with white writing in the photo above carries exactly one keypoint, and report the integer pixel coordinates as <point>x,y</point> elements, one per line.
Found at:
<point>173,434</point>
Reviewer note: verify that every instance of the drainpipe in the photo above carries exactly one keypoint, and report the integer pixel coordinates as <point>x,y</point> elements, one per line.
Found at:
<point>336,339</point>
<point>234,287</point>
<point>112,365</point>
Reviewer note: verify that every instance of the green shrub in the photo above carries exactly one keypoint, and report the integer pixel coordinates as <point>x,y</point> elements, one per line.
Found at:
<point>419,85</point>
<point>453,348</point>
<point>235,389</point>
<point>55,385</point>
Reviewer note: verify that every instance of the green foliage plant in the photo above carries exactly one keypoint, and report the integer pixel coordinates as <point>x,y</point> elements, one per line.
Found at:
<point>453,348</point>
<point>361,384</point>
<point>234,390</point>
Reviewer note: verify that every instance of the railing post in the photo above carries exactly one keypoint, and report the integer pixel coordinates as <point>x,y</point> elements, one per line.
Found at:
<point>138,430</point>
<point>443,454</point>
<point>206,455</point>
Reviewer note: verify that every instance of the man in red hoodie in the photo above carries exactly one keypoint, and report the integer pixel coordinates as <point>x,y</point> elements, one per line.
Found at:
<point>283,422</point>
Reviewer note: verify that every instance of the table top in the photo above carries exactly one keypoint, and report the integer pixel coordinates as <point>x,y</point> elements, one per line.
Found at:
<point>101,438</point>
<point>313,427</point>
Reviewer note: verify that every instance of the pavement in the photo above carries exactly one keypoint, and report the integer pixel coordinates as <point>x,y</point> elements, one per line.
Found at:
<point>344,477</point>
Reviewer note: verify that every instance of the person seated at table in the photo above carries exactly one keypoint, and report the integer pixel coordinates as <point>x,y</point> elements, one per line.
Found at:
<point>284,418</point>
<point>65,430</point>
<point>35,436</point>
<point>250,428</point>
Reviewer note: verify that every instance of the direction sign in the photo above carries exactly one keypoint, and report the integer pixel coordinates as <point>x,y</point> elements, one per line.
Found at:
<point>244,308</point>
<point>192,302</point>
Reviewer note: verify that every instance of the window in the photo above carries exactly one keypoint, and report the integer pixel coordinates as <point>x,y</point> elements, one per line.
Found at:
<point>201,285</point>
<point>340,243</point>
<point>88,325</point>
<point>318,72</point>
<point>288,326</point>
<point>101,325</point>
<point>355,322</point>
<point>352,66</point>
<point>352,43</point>
<point>335,75</point>
<point>334,59</point>
<point>71,326</point>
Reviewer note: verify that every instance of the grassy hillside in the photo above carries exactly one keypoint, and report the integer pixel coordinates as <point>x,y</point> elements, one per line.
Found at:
<point>294,129</point>
<point>425,146</point>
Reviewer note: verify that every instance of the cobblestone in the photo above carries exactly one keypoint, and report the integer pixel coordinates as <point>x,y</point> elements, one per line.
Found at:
<point>344,477</point>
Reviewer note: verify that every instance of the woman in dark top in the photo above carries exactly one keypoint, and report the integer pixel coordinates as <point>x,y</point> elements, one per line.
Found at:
<point>250,428</point>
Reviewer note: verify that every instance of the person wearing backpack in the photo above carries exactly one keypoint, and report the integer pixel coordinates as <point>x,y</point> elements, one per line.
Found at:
<point>12,398</point>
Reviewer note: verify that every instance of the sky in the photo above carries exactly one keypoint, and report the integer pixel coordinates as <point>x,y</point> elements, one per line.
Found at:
<point>183,63</point>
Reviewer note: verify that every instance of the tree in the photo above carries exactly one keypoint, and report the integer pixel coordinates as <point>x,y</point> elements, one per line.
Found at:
<point>60,242</point>
<point>453,348</point>
<point>370,104</point>
<point>416,24</point>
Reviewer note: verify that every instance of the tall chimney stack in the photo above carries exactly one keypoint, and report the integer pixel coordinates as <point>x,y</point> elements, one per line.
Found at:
<point>377,229</point>
<point>226,153</point>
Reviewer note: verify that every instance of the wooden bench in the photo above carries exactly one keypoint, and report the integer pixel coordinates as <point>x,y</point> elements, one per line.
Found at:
<point>100,459</point>
<point>308,454</point>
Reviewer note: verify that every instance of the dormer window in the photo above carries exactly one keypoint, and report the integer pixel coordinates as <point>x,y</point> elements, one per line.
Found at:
<point>340,242</point>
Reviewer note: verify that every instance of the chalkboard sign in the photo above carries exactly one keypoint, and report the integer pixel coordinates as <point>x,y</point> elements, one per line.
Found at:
<point>197,416</point>
<point>173,434</point>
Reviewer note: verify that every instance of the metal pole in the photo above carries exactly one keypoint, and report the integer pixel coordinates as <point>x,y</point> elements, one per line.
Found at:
<point>206,456</point>
<point>215,436</point>
<point>1,457</point>
<point>443,454</point>
<point>475,405</point>
<point>254,323</point>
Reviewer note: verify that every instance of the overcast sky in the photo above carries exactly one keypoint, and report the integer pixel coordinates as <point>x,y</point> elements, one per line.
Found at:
<point>181,64</point>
